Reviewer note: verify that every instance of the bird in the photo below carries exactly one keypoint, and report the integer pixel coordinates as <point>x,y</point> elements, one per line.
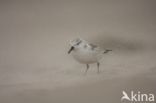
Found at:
<point>86,53</point>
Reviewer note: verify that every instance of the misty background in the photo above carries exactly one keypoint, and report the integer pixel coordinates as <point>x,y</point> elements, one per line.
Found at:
<point>34,41</point>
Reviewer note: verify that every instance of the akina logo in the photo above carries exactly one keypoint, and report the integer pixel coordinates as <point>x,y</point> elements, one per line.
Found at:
<point>135,97</point>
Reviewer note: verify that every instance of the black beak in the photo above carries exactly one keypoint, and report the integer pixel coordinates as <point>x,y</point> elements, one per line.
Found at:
<point>70,49</point>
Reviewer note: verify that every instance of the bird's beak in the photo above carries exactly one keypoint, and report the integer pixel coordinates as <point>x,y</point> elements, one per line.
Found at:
<point>72,48</point>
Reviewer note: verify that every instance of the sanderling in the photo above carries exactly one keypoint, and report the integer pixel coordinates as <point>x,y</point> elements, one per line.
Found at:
<point>86,53</point>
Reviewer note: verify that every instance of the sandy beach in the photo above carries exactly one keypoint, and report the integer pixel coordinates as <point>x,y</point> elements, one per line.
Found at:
<point>34,40</point>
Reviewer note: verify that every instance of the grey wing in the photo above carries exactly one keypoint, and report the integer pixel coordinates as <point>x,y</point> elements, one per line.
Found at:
<point>107,50</point>
<point>93,47</point>
<point>96,48</point>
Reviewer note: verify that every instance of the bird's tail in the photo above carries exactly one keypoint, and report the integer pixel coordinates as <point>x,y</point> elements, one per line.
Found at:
<point>107,50</point>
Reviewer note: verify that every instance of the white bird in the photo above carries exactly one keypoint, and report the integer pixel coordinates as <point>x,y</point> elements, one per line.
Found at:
<point>86,53</point>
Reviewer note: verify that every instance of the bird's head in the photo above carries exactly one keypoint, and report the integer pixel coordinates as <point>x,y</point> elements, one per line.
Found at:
<point>75,44</point>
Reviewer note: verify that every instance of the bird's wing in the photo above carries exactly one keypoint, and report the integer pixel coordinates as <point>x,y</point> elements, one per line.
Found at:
<point>93,46</point>
<point>106,51</point>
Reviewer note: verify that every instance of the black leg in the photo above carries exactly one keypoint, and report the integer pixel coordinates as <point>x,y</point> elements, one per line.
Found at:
<point>98,65</point>
<point>87,68</point>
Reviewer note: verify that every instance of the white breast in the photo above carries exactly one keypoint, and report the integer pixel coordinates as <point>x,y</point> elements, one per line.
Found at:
<point>87,56</point>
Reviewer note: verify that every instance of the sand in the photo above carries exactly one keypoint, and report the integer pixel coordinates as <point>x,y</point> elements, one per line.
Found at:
<point>34,41</point>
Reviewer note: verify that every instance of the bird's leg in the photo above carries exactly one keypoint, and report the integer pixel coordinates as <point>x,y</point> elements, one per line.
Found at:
<point>98,65</point>
<point>87,68</point>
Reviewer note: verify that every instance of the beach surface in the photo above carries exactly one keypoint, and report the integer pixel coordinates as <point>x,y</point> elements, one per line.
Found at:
<point>34,40</point>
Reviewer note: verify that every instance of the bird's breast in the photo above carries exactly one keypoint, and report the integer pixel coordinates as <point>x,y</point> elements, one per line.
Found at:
<point>86,57</point>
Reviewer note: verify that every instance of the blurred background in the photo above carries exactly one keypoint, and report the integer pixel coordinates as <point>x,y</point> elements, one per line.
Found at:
<point>34,40</point>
